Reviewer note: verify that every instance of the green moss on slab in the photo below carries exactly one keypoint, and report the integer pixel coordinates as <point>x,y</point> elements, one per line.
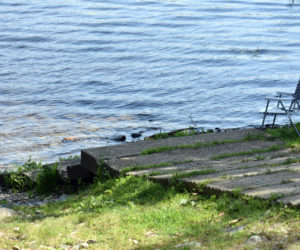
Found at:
<point>194,173</point>
<point>158,165</point>
<point>250,152</point>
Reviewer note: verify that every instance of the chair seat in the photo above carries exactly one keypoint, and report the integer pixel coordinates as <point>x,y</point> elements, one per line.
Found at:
<point>275,111</point>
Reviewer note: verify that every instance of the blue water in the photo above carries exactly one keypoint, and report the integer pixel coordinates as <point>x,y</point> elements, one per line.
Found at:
<point>94,69</point>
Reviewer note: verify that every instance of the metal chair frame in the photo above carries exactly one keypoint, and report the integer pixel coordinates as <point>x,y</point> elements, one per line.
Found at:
<point>281,109</point>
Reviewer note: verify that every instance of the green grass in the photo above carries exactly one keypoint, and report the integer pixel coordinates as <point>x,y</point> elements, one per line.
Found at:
<point>161,149</point>
<point>187,146</point>
<point>68,158</point>
<point>185,133</point>
<point>161,135</point>
<point>134,213</point>
<point>164,135</point>
<point>158,165</point>
<point>287,134</point>
<point>250,152</point>
<point>287,181</point>
<point>193,173</point>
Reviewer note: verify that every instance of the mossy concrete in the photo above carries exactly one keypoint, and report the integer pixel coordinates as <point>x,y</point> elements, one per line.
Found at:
<point>260,174</point>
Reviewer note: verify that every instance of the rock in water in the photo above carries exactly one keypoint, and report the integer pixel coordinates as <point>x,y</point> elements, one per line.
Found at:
<point>136,135</point>
<point>119,138</point>
<point>6,212</point>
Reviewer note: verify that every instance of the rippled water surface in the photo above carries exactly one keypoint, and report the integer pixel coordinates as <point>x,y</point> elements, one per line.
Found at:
<point>93,69</point>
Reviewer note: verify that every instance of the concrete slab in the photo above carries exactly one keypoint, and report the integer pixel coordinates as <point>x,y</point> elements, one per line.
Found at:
<point>232,163</point>
<point>90,158</point>
<point>255,181</point>
<point>260,174</point>
<point>293,200</point>
<point>182,155</point>
<point>269,191</point>
<point>242,173</point>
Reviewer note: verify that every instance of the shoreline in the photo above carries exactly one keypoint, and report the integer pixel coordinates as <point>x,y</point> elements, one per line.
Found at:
<point>250,159</point>
<point>116,141</point>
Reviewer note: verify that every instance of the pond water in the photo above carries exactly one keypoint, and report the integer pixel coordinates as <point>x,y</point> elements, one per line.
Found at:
<point>94,69</point>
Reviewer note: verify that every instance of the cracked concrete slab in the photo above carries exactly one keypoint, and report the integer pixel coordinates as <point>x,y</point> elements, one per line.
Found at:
<point>273,190</point>
<point>90,158</point>
<point>270,174</point>
<point>293,200</point>
<point>256,181</point>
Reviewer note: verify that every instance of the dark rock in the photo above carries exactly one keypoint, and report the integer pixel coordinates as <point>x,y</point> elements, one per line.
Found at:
<point>119,138</point>
<point>218,130</point>
<point>68,169</point>
<point>72,169</point>
<point>136,135</point>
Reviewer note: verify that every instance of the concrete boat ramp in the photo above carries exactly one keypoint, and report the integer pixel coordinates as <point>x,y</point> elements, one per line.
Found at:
<point>245,160</point>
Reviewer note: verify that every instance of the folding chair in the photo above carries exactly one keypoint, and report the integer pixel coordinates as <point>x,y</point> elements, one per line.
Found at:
<point>286,104</point>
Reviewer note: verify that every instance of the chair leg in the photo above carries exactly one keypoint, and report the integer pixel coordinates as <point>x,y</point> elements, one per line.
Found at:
<point>291,121</point>
<point>274,120</point>
<point>265,114</point>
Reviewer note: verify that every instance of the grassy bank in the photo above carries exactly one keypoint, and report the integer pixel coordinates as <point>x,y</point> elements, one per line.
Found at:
<point>134,213</point>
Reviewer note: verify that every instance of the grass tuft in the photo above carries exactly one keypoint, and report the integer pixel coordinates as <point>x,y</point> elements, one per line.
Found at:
<point>194,173</point>
<point>250,152</point>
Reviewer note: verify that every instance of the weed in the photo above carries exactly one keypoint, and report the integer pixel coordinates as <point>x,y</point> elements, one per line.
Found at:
<point>69,158</point>
<point>141,167</point>
<point>275,196</point>
<point>287,134</point>
<point>193,121</point>
<point>289,161</point>
<point>17,180</point>
<point>244,167</point>
<point>185,146</point>
<point>237,192</point>
<point>260,158</point>
<point>251,152</point>
<point>157,165</point>
<point>286,181</point>
<point>48,180</point>
<point>160,136</point>
<point>198,145</point>
<point>246,160</point>
<point>252,137</point>
<point>185,133</point>
<point>193,173</point>
<point>268,171</point>
<point>102,172</point>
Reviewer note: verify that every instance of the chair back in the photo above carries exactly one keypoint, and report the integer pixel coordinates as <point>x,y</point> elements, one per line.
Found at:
<point>297,91</point>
